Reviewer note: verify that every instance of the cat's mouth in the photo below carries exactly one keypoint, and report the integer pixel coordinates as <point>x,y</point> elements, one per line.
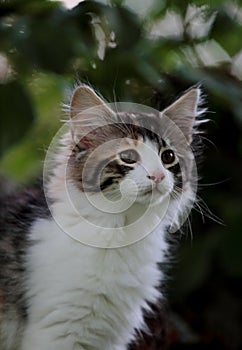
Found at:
<point>154,191</point>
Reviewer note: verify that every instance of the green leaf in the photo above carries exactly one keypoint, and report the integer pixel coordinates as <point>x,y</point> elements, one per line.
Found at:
<point>126,26</point>
<point>16,114</point>
<point>49,49</point>
<point>230,39</point>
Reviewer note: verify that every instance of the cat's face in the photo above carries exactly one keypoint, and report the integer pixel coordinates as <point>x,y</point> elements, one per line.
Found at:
<point>148,170</point>
<point>139,170</point>
<point>129,157</point>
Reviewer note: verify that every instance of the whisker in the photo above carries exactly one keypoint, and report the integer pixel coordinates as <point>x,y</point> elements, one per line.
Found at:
<point>189,224</point>
<point>201,185</point>
<point>201,207</point>
<point>209,141</point>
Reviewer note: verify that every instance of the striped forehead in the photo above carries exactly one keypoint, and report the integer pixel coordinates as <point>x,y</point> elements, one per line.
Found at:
<point>140,126</point>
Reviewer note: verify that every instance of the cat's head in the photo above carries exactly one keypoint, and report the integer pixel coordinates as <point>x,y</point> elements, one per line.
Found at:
<point>143,156</point>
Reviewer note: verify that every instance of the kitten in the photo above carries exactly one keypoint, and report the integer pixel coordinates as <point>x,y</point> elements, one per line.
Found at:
<point>79,258</point>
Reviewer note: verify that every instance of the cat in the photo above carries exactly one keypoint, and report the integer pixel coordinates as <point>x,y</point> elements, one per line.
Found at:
<point>79,257</point>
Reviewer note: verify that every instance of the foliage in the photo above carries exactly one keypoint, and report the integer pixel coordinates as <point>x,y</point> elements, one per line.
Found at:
<point>146,58</point>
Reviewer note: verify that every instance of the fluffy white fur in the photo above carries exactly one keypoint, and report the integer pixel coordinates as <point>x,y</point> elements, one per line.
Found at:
<point>88,298</point>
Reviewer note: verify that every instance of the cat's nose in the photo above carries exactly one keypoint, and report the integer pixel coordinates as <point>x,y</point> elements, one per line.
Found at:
<point>158,177</point>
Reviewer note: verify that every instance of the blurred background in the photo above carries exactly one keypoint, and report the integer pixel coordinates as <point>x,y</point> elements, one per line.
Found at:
<point>145,51</point>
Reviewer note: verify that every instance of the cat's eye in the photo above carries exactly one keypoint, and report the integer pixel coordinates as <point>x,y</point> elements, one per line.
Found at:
<point>129,156</point>
<point>168,157</point>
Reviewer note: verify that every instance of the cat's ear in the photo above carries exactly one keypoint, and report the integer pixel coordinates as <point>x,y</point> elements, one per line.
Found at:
<point>88,112</point>
<point>183,112</point>
<point>84,98</point>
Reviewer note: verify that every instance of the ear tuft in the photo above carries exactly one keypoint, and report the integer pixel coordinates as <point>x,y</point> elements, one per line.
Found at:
<point>183,112</point>
<point>84,98</point>
<point>90,117</point>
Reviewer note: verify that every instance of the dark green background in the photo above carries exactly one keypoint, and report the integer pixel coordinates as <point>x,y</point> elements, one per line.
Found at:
<point>44,48</point>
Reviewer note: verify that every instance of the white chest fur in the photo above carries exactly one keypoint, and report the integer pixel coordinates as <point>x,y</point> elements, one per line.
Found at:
<point>88,298</point>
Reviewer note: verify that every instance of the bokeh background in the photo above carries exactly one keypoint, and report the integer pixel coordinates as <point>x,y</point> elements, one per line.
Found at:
<point>146,52</point>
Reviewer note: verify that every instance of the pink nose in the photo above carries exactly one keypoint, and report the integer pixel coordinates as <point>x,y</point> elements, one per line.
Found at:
<point>156,177</point>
